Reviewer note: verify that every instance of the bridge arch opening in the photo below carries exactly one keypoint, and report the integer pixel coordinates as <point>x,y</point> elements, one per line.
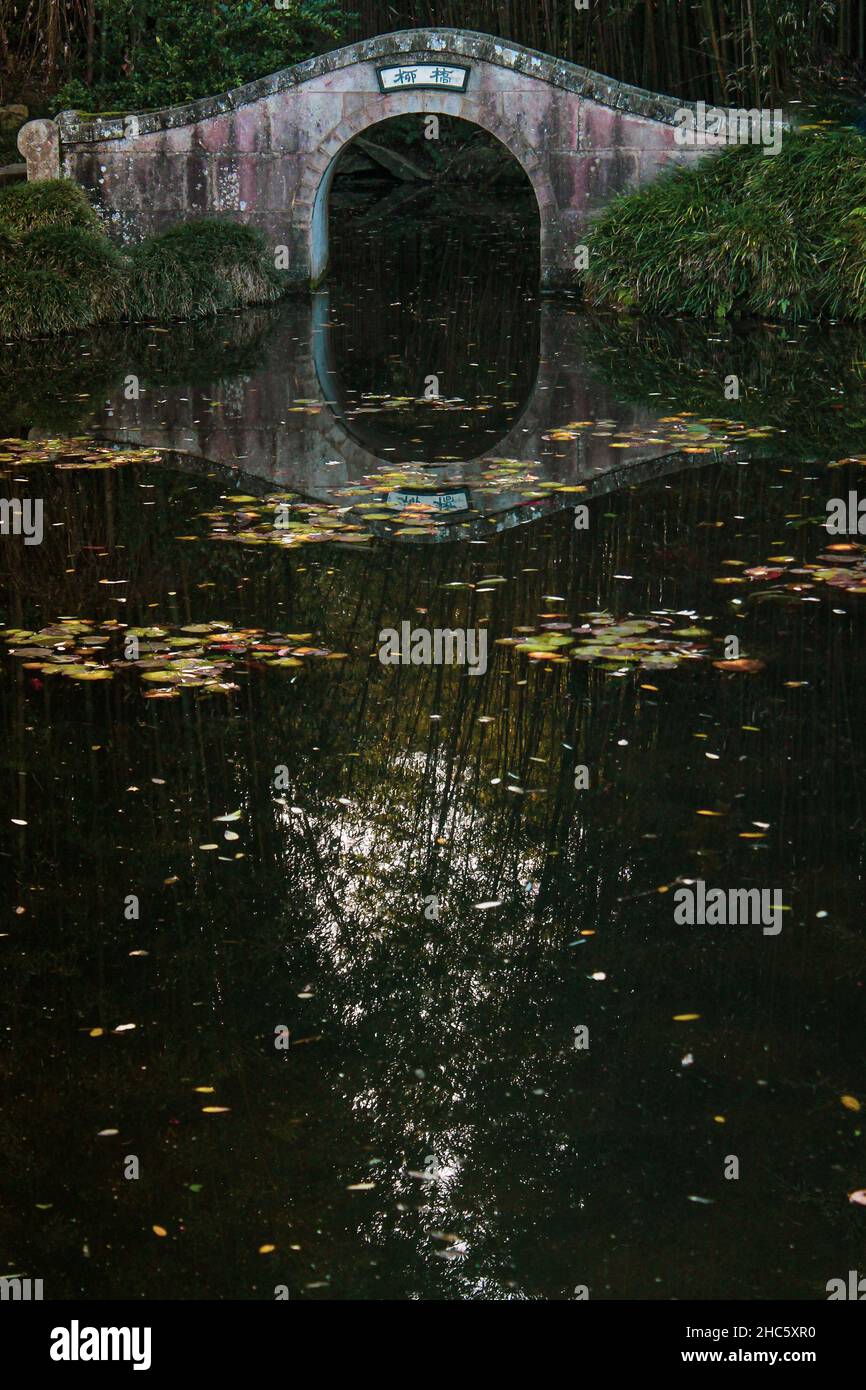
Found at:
<point>433,333</point>
<point>514,152</point>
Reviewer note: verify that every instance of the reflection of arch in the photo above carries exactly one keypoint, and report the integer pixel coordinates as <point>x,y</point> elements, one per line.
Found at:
<point>343,439</point>
<point>261,429</point>
<point>315,190</point>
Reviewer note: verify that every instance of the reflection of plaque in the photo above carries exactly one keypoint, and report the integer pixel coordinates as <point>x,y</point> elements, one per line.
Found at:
<point>445,77</point>
<point>456,500</point>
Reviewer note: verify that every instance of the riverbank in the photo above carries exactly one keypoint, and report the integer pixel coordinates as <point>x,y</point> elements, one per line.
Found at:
<point>742,235</point>
<point>61,274</point>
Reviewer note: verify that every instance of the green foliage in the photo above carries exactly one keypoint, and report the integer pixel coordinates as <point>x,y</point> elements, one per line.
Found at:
<point>155,53</point>
<point>74,96</point>
<point>28,207</point>
<point>743,234</point>
<point>36,303</point>
<point>128,54</point>
<point>198,268</point>
<point>85,259</point>
<point>60,273</point>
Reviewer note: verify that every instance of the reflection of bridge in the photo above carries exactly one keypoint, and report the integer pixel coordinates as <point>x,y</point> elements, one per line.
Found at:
<point>265,154</point>
<point>282,425</point>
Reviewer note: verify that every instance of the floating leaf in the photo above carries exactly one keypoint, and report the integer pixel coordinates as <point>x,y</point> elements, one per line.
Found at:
<point>740,664</point>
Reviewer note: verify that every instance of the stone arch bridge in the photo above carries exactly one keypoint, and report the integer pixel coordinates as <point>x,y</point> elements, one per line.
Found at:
<point>265,154</point>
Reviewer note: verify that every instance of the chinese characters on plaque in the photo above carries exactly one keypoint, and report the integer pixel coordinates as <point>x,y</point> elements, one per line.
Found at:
<point>442,76</point>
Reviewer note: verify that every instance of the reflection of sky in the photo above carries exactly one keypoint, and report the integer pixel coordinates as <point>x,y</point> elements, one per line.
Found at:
<point>366,907</point>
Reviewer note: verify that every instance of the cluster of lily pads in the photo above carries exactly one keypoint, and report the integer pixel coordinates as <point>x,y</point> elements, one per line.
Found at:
<point>686,432</point>
<point>286,519</point>
<point>843,566</point>
<point>75,455</point>
<point>656,643</point>
<point>198,656</point>
<point>282,519</point>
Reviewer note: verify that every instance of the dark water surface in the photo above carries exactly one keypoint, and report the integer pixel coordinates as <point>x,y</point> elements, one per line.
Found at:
<point>433,1131</point>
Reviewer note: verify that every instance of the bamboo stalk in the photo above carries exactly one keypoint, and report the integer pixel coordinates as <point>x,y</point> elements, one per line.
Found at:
<point>655,43</point>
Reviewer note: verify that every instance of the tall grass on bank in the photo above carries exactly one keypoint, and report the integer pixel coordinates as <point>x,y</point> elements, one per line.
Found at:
<point>213,265</point>
<point>743,234</point>
<point>60,274</point>
<point>30,207</point>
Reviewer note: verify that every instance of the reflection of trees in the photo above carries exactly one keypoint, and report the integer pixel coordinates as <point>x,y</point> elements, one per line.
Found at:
<point>82,370</point>
<point>806,381</point>
<point>451,1038</point>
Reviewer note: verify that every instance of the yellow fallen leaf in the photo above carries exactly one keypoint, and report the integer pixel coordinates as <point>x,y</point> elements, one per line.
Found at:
<point>159,1231</point>
<point>851,1103</point>
<point>741,663</point>
<point>685,1018</point>
<point>267,1249</point>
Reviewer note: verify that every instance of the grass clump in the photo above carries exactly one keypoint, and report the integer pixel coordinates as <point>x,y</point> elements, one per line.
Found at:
<point>61,274</point>
<point>39,302</point>
<point>200,268</point>
<point>86,260</point>
<point>30,207</point>
<point>742,234</point>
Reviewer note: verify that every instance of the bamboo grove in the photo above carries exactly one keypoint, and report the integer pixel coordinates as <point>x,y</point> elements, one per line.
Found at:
<point>723,50</point>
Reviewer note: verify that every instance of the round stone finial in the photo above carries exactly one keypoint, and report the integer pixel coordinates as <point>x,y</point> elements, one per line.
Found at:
<point>39,142</point>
